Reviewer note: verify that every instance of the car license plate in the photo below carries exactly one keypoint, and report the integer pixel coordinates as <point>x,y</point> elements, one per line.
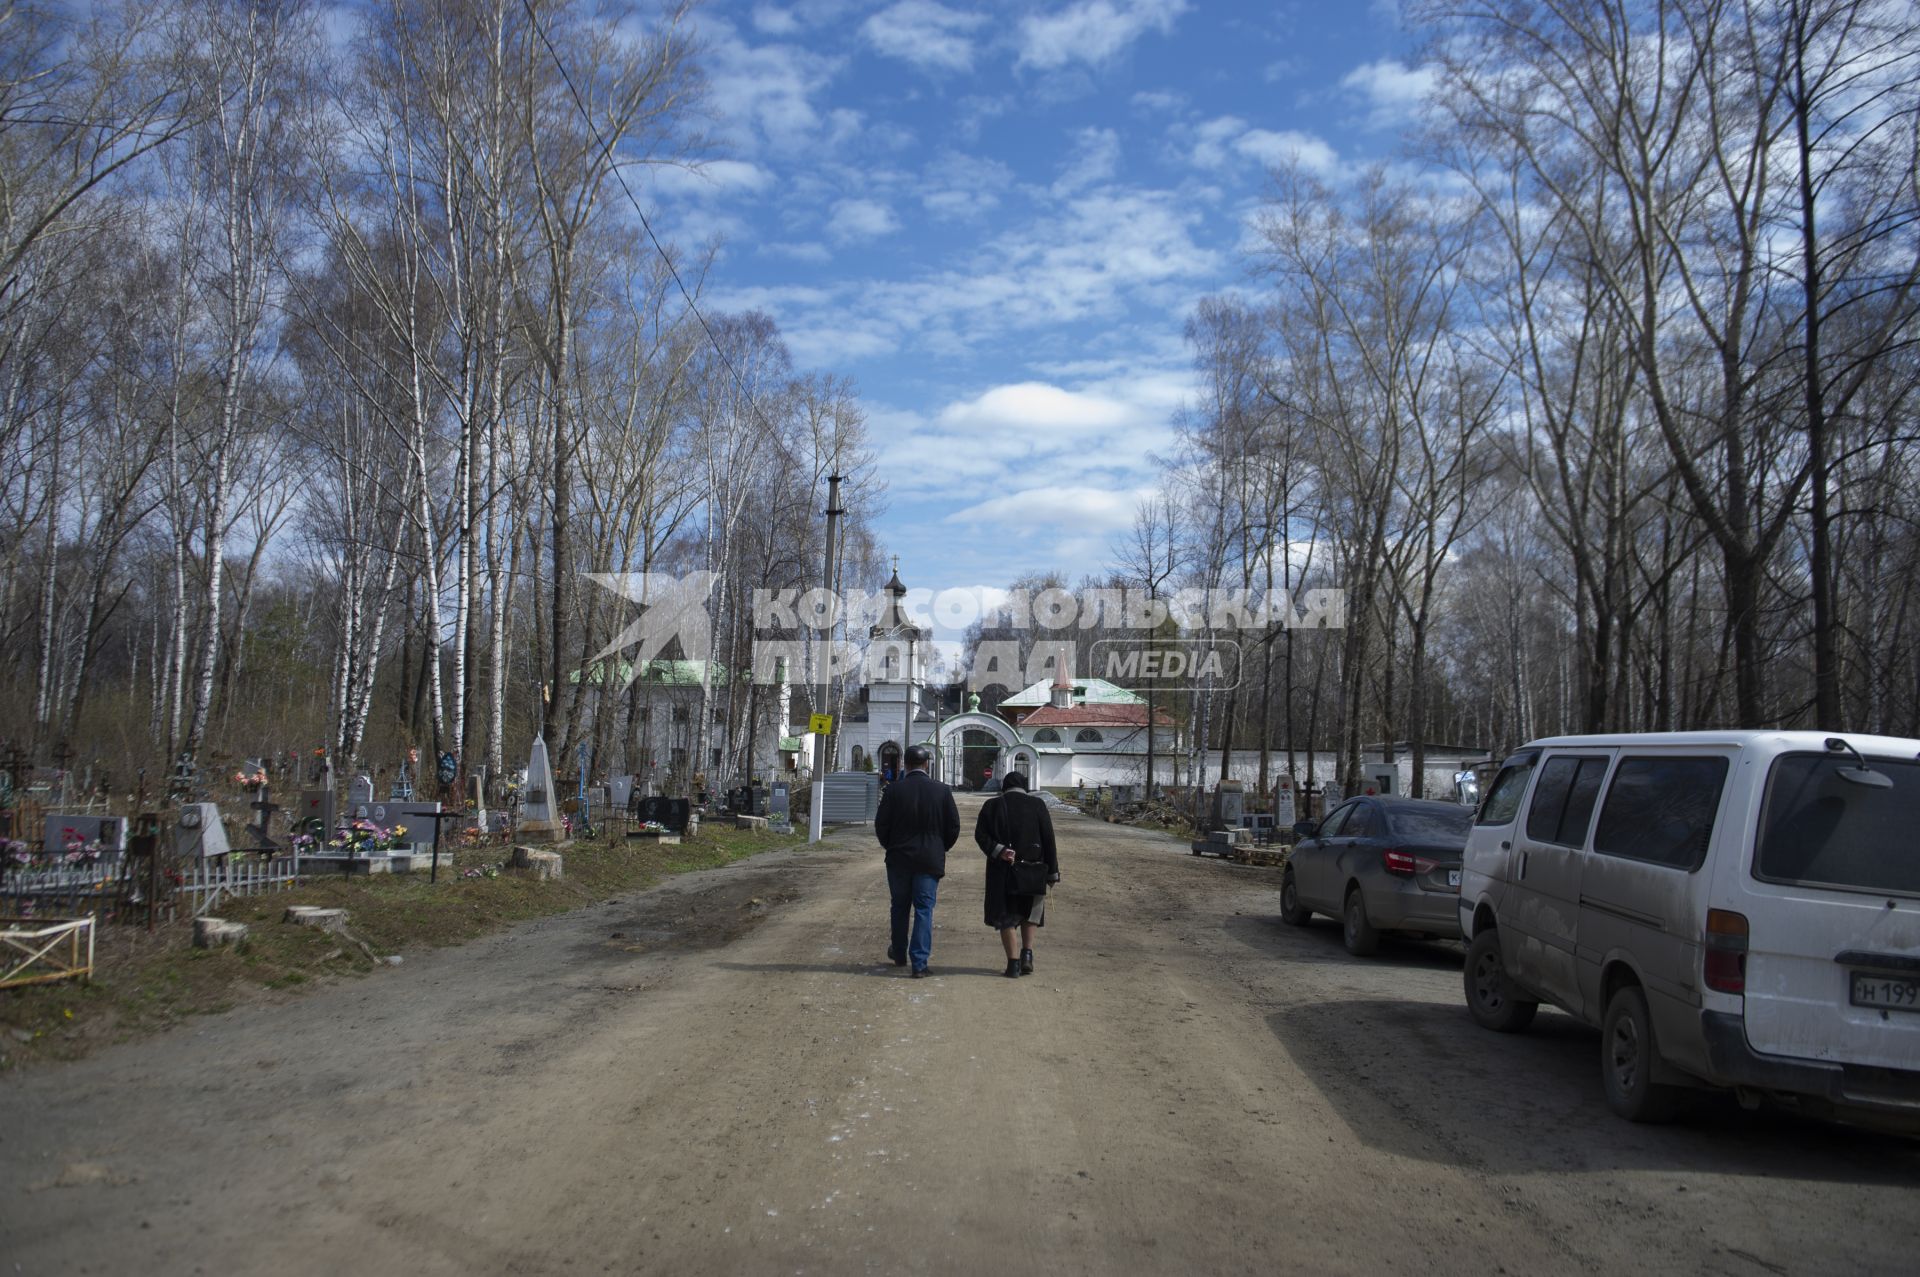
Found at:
<point>1453,877</point>
<point>1885,992</point>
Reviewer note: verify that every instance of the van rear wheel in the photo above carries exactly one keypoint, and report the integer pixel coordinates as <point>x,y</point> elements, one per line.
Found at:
<point>1628,1055</point>
<point>1491,997</point>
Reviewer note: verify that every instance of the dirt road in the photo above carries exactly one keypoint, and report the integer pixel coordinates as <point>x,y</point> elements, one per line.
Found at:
<point>725,1076</point>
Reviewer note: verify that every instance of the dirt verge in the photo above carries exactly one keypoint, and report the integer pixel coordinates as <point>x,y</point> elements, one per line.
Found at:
<point>145,983</point>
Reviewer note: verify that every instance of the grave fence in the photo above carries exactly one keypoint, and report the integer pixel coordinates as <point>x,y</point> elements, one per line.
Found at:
<point>113,888</point>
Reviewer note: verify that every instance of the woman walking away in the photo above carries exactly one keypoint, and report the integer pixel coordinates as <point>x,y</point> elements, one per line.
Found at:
<point>1015,831</point>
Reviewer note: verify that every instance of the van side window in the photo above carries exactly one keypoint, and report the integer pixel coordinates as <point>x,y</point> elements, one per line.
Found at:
<point>1661,810</point>
<point>1361,824</point>
<point>1503,799</point>
<point>1563,800</point>
<point>1331,826</point>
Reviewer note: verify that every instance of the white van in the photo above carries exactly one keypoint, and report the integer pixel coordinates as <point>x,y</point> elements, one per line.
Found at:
<point>1729,909</point>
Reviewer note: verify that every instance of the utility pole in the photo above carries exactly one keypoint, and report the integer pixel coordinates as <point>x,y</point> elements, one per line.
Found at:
<point>816,809</point>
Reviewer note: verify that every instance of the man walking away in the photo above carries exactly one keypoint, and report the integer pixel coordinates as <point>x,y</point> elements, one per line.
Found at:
<point>917,823</point>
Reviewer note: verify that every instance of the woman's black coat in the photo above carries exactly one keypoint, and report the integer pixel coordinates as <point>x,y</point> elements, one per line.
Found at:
<point>1016,819</point>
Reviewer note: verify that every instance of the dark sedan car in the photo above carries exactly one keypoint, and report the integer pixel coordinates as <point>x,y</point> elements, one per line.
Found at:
<point>1380,864</point>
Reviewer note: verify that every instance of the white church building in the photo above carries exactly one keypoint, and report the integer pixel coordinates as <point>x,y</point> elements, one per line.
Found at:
<point>1061,732</point>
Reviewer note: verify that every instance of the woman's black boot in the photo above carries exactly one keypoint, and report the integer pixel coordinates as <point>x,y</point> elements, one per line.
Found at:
<point>1013,968</point>
<point>1026,962</point>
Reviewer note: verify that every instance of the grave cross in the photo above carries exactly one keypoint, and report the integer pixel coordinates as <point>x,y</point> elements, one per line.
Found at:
<point>181,784</point>
<point>265,805</point>
<point>439,818</point>
<point>62,758</point>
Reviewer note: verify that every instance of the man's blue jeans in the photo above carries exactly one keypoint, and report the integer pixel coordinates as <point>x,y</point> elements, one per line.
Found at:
<point>913,893</point>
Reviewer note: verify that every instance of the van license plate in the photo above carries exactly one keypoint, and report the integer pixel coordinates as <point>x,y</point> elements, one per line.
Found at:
<point>1889,992</point>
<point>1453,877</point>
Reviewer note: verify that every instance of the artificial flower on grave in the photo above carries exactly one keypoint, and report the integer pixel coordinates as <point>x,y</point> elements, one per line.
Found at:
<point>17,853</point>
<point>361,837</point>
<point>251,780</point>
<point>79,851</point>
<point>652,827</point>
<point>305,845</point>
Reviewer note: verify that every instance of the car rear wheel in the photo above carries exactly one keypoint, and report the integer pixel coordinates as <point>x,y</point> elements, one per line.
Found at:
<point>1363,940</point>
<point>1490,994</point>
<point>1292,912</point>
<point>1628,1054</point>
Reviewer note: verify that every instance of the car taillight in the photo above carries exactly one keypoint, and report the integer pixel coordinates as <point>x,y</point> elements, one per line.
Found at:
<point>1726,951</point>
<point>1405,863</point>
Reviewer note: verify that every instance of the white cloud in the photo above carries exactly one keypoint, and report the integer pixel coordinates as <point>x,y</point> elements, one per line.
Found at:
<point>1091,257</point>
<point>766,94</point>
<point>1228,140</point>
<point>1096,156</point>
<point>1083,509</point>
<point>806,251</point>
<point>956,186</point>
<point>925,33</point>
<point>1159,102</point>
<point>1092,31</point>
<point>1034,406</point>
<point>1275,149</point>
<point>714,177</point>
<point>1393,90</point>
<point>769,20</point>
<point>861,219</point>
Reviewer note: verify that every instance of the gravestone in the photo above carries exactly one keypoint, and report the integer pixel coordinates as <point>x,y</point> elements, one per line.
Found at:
<point>109,831</point>
<point>673,813</point>
<point>539,805</point>
<point>779,803</point>
<point>417,819</point>
<point>1330,798</point>
<point>317,804</point>
<point>477,797</point>
<point>359,794</point>
<point>198,833</point>
<point>1229,805</point>
<point>1285,810</point>
<point>1382,778</point>
<point>619,792</point>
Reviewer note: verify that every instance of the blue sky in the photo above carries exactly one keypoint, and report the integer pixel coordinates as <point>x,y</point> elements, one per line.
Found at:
<point>996,219</point>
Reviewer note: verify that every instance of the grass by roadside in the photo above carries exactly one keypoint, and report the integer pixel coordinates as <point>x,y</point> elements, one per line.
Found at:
<point>144,983</point>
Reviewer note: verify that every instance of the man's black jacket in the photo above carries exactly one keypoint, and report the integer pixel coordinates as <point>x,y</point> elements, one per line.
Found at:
<point>916,823</point>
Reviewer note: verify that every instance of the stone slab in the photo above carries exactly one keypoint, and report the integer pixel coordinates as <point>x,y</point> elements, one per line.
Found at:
<point>315,916</point>
<point>542,865</point>
<point>749,822</point>
<point>211,933</point>
<point>375,864</point>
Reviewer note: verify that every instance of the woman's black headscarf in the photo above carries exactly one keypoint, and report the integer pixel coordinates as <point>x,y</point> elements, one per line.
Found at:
<point>1014,780</point>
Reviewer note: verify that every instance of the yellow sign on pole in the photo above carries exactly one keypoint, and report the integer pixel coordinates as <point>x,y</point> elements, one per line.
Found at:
<point>820,724</point>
